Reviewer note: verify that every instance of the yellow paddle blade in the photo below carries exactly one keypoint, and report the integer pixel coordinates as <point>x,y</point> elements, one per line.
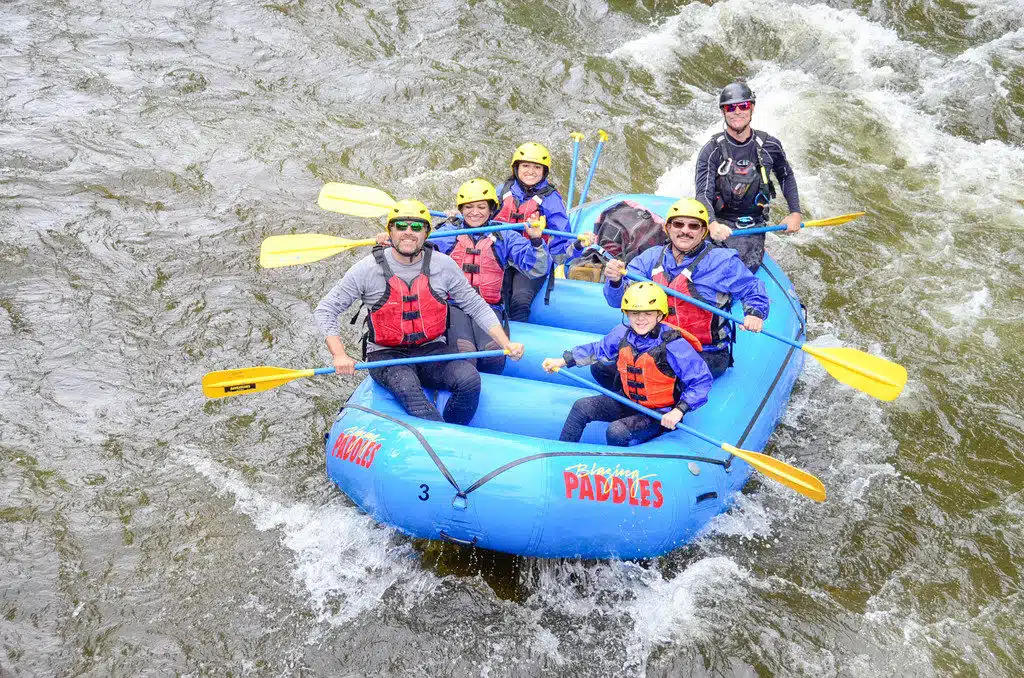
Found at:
<point>290,250</point>
<point>875,376</point>
<point>226,383</point>
<point>357,201</point>
<point>835,221</point>
<point>790,476</point>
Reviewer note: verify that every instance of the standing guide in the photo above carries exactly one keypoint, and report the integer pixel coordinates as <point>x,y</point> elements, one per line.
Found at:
<point>732,178</point>
<point>406,289</point>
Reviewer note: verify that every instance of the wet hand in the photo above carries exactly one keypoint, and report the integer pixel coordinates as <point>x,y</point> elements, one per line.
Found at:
<point>614,270</point>
<point>552,364</point>
<point>515,350</point>
<point>752,323</point>
<point>719,232</point>
<point>671,418</point>
<point>383,240</point>
<point>534,231</point>
<point>343,364</point>
<point>793,222</point>
<point>585,240</point>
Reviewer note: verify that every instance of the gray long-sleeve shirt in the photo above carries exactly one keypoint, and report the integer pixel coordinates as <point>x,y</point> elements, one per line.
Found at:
<point>365,282</point>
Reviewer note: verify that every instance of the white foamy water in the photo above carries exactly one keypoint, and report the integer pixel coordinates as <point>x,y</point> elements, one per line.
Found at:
<point>345,561</point>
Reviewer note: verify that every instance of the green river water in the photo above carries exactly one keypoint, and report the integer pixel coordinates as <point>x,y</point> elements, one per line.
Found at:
<point>146,150</point>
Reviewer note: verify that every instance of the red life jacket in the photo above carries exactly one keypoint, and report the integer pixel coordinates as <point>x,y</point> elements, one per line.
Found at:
<point>406,315</point>
<point>514,212</point>
<point>648,378</point>
<point>480,265</point>
<point>707,327</point>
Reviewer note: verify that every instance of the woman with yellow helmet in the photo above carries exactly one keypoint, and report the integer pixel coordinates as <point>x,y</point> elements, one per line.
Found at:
<point>484,258</point>
<point>659,366</point>
<point>525,197</point>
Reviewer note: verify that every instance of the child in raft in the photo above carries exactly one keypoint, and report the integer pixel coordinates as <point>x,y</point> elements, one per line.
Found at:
<point>527,196</point>
<point>659,367</point>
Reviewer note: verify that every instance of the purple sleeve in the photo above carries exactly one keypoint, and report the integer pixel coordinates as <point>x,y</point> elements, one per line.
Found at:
<point>553,209</point>
<point>607,349</point>
<point>692,373</point>
<point>641,265</point>
<point>512,248</point>
<point>733,277</point>
<point>445,245</point>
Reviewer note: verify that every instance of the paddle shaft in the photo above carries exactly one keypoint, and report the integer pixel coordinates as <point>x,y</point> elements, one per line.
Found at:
<point>298,374</point>
<point>436,358</point>
<point>831,221</point>
<point>576,138</point>
<point>760,229</point>
<point>496,226</point>
<point>739,320</point>
<point>639,408</point>
<point>593,165</point>
<point>712,309</point>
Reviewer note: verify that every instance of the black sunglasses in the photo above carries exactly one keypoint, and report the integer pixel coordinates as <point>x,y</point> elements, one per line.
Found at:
<point>416,226</point>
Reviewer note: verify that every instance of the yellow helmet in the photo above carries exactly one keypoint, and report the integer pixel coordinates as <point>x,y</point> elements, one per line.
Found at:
<point>531,151</point>
<point>645,296</point>
<point>409,209</point>
<point>476,189</point>
<point>687,207</point>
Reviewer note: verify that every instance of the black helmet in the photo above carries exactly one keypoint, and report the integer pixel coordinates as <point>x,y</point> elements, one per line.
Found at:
<point>734,93</point>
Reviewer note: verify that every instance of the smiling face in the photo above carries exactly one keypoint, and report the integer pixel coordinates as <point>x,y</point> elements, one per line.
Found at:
<point>738,120</point>
<point>407,241</point>
<point>643,322</point>
<point>476,213</point>
<point>685,232</point>
<point>529,173</point>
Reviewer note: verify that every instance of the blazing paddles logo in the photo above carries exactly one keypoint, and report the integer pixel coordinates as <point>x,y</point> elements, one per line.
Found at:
<point>617,485</point>
<point>357,445</point>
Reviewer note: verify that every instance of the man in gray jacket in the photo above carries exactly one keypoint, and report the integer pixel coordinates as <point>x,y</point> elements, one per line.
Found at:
<point>406,289</point>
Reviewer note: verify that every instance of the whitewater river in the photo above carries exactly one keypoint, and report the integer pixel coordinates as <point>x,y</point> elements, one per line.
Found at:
<point>147,148</point>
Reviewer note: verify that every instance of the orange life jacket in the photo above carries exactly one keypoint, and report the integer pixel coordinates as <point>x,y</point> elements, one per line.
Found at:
<point>648,378</point>
<point>406,315</point>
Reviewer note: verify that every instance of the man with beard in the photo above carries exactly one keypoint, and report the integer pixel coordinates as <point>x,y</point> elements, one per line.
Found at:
<point>406,288</point>
<point>691,265</point>
<point>733,177</point>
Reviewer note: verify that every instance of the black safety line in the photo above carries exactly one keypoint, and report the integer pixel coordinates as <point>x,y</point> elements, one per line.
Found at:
<point>764,401</point>
<point>778,375</point>
<point>785,293</point>
<point>523,460</point>
<point>419,436</point>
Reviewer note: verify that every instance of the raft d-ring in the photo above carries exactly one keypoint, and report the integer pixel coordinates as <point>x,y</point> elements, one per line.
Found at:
<point>694,469</point>
<point>460,502</point>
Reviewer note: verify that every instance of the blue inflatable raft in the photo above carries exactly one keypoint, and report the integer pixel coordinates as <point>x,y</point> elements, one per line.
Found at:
<point>506,483</point>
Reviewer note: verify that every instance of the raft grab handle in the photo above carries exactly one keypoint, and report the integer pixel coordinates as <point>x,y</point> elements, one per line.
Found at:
<point>455,540</point>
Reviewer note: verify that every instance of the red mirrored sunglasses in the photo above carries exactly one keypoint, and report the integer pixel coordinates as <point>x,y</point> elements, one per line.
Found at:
<point>741,106</point>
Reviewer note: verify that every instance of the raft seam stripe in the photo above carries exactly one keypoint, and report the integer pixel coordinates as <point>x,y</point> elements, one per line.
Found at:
<point>419,436</point>
<point>764,401</point>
